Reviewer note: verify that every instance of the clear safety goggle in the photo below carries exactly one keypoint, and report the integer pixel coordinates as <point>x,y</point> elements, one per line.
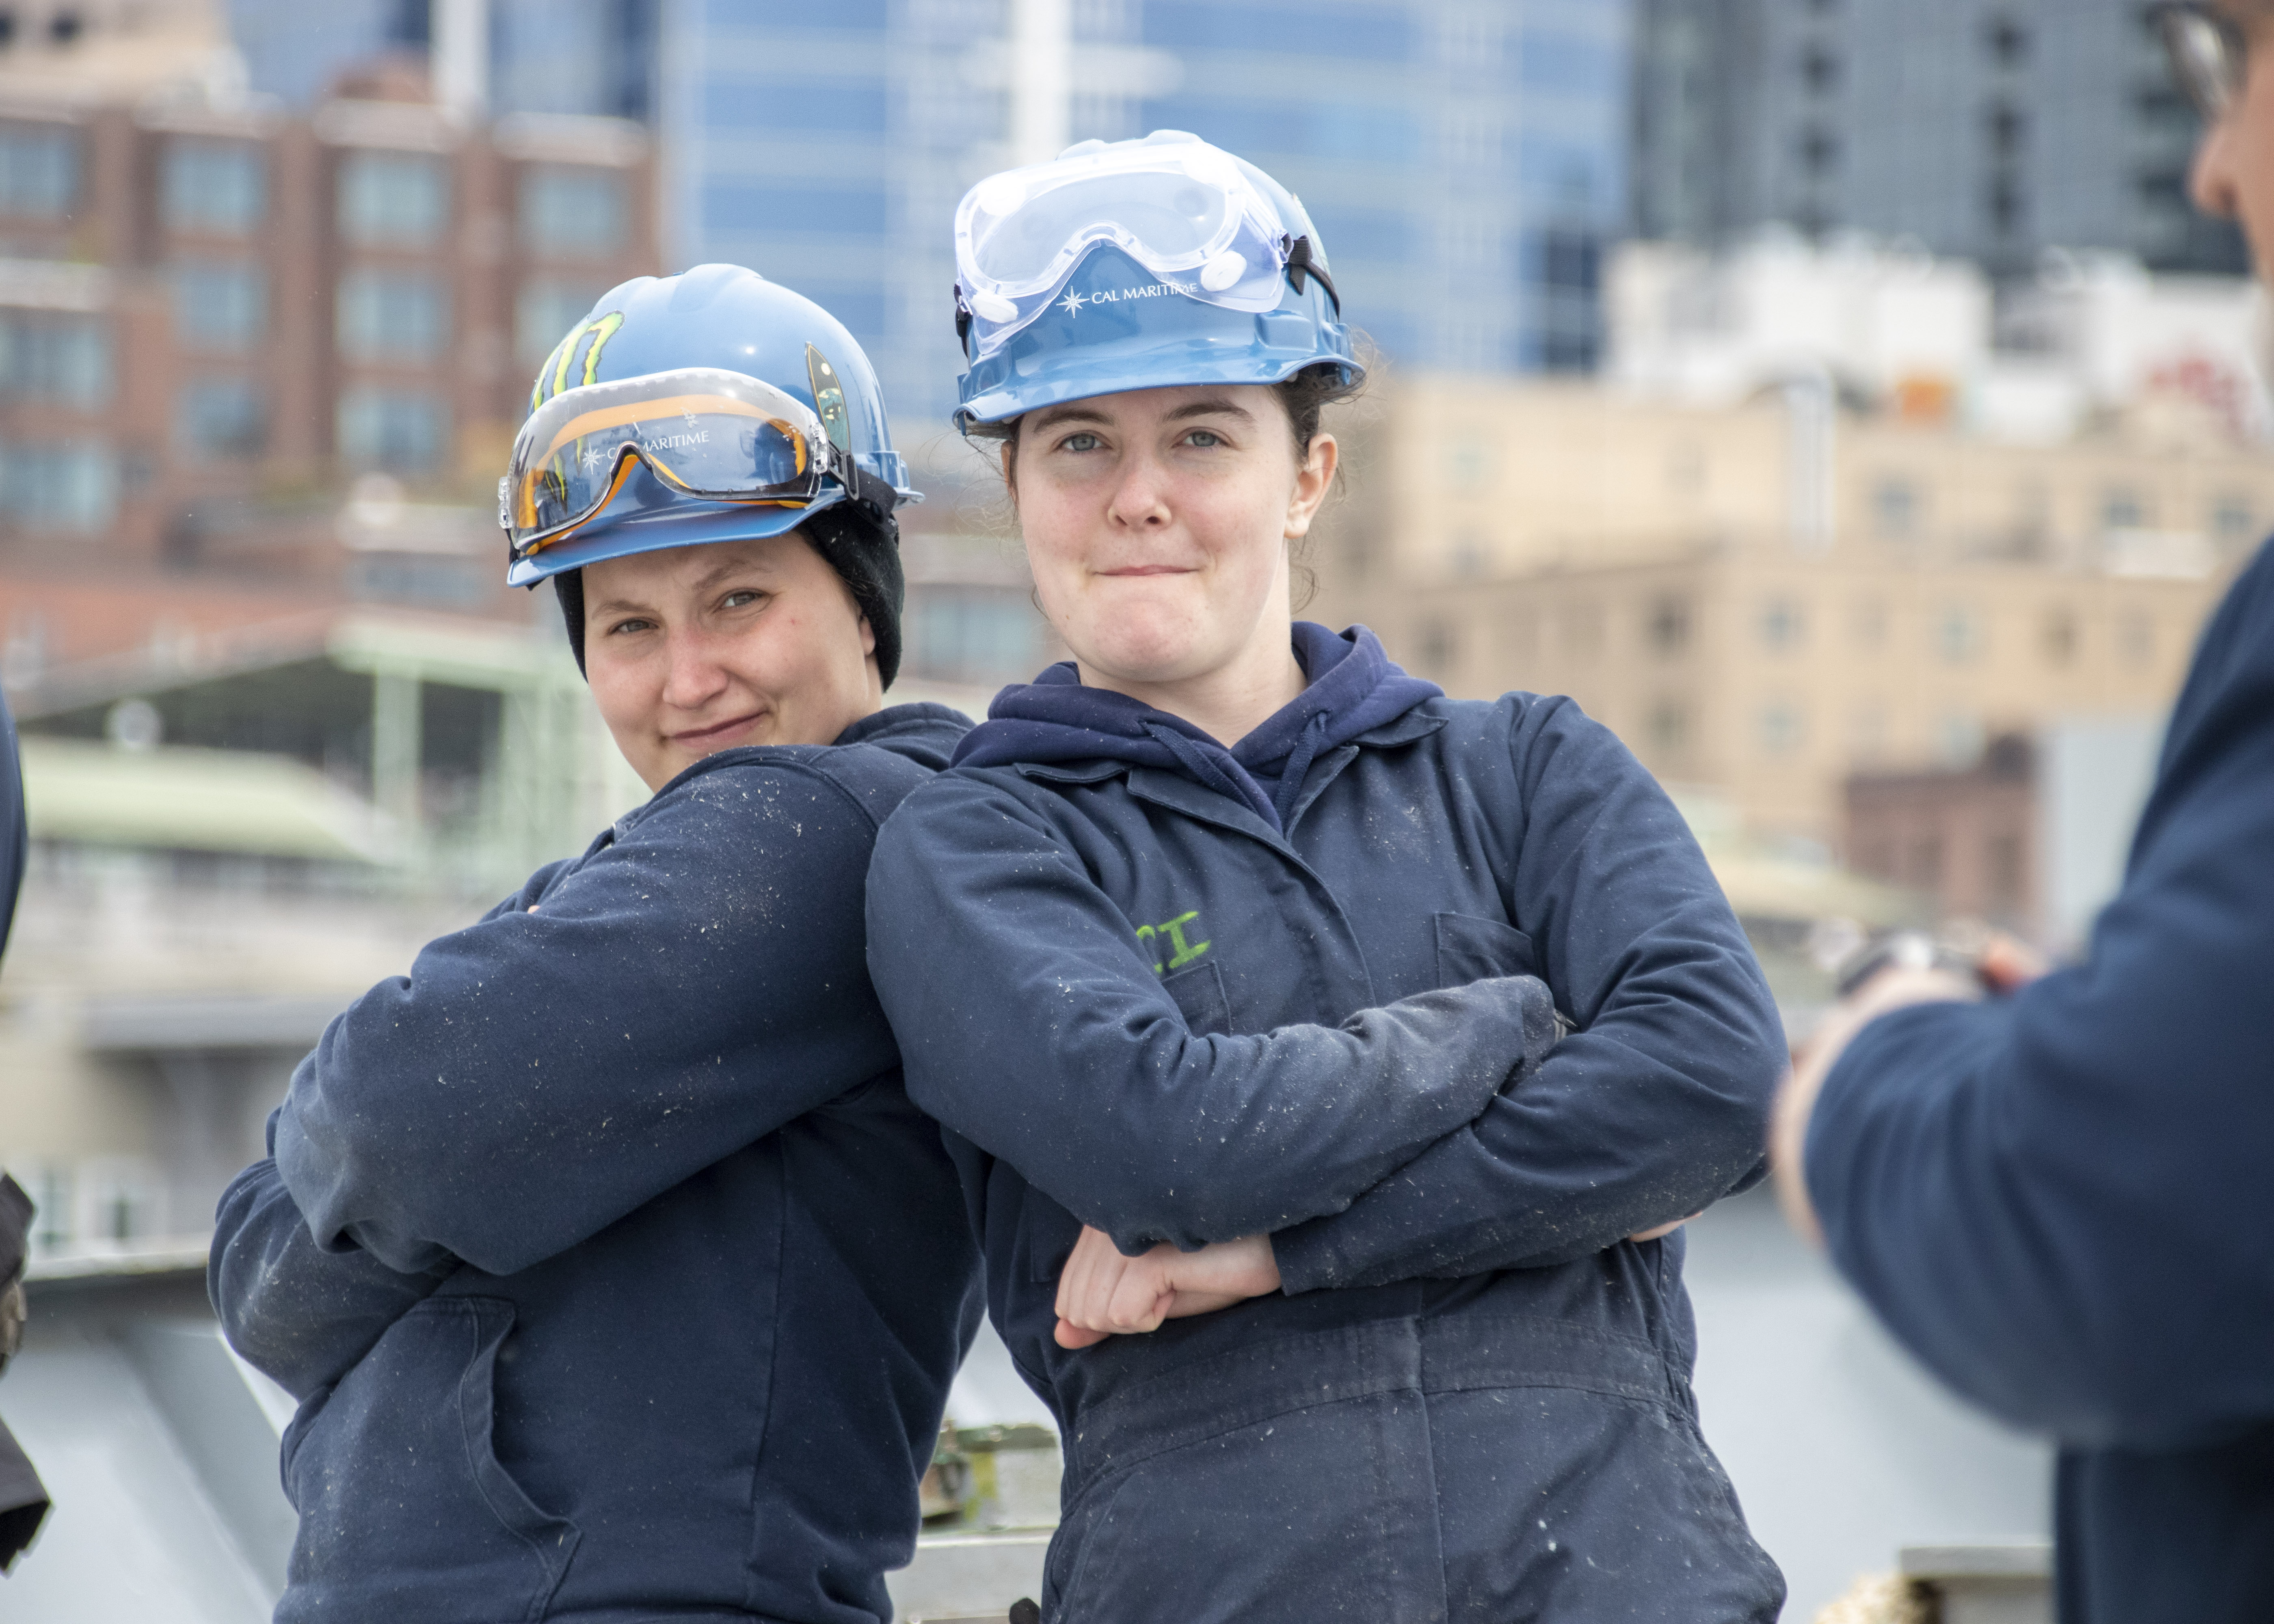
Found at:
<point>718,435</point>
<point>1183,209</point>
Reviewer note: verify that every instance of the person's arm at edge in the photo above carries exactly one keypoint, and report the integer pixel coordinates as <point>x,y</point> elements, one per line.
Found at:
<point>2053,1202</point>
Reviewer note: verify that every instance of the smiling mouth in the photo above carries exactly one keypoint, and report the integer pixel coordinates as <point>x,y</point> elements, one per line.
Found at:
<point>1140,570</point>
<point>697,738</point>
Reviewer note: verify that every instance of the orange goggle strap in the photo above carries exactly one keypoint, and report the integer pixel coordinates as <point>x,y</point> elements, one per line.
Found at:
<point>524,498</point>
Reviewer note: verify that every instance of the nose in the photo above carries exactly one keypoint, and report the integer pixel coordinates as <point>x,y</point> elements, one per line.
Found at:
<point>1138,501</point>
<point>2212,182</point>
<point>694,676</point>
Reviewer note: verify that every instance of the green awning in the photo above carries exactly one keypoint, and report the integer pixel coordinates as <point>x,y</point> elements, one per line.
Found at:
<point>238,801</point>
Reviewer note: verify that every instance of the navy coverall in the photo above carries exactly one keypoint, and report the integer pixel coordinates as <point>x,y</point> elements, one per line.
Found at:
<point>615,1275</point>
<point>1311,987</point>
<point>2057,1201</point>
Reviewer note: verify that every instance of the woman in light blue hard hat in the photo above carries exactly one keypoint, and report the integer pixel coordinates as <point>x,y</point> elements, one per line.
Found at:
<point>614,1271</point>
<point>1328,1062</point>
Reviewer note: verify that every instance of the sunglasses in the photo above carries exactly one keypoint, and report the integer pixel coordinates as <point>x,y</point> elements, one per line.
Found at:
<point>2209,54</point>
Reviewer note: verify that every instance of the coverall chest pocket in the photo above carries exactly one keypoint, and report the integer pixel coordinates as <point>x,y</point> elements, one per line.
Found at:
<point>1200,995</point>
<point>1474,949</point>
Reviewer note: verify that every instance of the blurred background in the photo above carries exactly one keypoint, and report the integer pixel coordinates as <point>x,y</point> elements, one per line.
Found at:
<point>1842,401</point>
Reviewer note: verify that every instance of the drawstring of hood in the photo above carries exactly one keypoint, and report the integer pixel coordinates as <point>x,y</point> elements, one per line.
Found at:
<point>1218,769</point>
<point>1307,750</point>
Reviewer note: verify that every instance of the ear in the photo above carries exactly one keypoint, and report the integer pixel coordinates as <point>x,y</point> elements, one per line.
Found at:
<point>1011,470</point>
<point>1313,480</point>
<point>868,637</point>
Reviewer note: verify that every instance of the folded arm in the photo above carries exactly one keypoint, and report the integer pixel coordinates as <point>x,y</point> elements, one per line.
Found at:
<point>2055,1200</point>
<point>299,1312</point>
<point>1067,1059</point>
<point>680,992</point>
<point>1653,1109</point>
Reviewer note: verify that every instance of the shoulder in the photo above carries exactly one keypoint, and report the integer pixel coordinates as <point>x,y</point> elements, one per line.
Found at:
<point>989,804</point>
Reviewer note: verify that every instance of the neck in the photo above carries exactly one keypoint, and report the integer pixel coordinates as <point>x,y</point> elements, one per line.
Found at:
<point>1231,702</point>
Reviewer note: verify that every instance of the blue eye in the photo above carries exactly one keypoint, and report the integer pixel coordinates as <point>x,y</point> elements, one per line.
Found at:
<point>1204,438</point>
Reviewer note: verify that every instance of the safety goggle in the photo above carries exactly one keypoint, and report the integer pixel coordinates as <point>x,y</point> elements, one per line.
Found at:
<point>721,436</point>
<point>1181,209</point>
<point>2210,55</point>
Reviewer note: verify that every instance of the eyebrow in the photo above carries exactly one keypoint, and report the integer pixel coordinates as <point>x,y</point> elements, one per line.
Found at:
<point>1077,411</point>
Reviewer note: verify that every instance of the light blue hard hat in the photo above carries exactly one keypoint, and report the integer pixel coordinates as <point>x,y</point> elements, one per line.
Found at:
<point>1137,264</point>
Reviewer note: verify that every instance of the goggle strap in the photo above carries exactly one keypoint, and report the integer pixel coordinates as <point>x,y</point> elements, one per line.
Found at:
<point>1300,265</point>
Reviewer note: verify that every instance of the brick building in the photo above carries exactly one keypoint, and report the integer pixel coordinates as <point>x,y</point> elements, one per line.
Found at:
<point>215,320</point>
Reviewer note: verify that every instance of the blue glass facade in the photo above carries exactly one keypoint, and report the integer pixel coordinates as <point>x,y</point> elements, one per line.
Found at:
<point>1464,163</point>
<point>1464,159</point>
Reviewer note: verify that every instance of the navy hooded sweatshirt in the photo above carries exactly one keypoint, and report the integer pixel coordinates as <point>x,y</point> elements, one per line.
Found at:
<point>1312,986</point>
<point>2057,1201</point>
<point>615,1275</point>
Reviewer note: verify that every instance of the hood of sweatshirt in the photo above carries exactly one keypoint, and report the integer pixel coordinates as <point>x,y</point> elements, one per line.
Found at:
<point>1351,688</point>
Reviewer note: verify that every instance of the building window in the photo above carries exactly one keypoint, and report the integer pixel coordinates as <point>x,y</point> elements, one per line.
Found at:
<point>395,429</point>
<point>1958,634</point>
<point>2005,204</point>
<point>1669,626</point>
<point>1819,152</point>
<point>1669,728</point>
<point>220,308</point>
<point>2007,128</point>
<point>1564,271</point>
<point>2060,636</point>
<point>1895,508</point>
<point>393,201</point>
<point>575,212</point>
<point>39,171</point>
<point>1782,729</point>
<point>1819,70</point>
<point>68,486</point>
<point>1784,624</point>
<point>2123,509</point>
<point>972,633</point>
<point>64,360</point>
<point>544,311</point>
<point>215,188</point>
<point>2008,43</point>
<point>1958,739</point>
<point>2234,520</point>
<point>221,417</point>
<point>392,317</point>
<point>1438,645</point>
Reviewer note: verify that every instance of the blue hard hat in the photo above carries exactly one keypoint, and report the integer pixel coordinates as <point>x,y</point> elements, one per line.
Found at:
<point>1130,307</point>
<point>730,318</point>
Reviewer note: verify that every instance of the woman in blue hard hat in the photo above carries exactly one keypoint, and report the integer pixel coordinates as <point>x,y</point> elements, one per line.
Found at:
<point>615,1273</point>
<point>1328,1062</point>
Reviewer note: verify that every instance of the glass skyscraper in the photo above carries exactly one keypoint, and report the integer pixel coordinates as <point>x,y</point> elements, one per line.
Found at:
<point>1464,161</point>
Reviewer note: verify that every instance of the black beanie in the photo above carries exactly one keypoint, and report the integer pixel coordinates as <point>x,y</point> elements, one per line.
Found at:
<point>865,552</point>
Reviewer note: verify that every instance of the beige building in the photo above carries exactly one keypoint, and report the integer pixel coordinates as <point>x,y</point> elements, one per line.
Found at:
<point>1765,599</point>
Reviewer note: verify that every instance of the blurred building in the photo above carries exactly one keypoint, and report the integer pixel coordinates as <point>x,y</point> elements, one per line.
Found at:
<point>2033,837</point>
<point>1988,130</point>
<point>215,315</point>
<point>2085,338</point>
<point>1763,600</point>
<point>1465,165</point>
